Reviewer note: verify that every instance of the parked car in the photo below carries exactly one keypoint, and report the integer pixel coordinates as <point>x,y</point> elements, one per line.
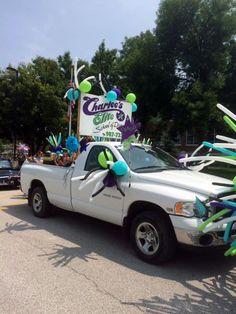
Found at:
<point>8,175</point>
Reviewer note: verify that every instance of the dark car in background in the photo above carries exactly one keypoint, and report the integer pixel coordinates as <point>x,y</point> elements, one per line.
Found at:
<point>8,175</point>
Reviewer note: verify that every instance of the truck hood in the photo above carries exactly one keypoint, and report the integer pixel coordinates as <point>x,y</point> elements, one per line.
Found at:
<point>189,180</point>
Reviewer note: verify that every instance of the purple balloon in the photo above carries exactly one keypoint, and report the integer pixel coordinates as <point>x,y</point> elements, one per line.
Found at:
<point>117,91</point>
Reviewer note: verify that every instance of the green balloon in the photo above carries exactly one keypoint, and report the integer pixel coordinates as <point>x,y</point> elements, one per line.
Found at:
<point>85,86</point>
<point>130,98</point>
<point>103,157</point>
<point>234,181</point>
<point>230,123</point>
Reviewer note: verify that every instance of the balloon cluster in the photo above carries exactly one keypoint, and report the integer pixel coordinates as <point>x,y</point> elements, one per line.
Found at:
<point>72,94</point>
<point>22,148</point>
<point>218,212</point>
<point>55,143</point>
<point>128,131</point>
<point>106,161</point>
<point>115,170</point>
<point>115,93</point>
<point>72,144</point>
<point>229,156</point>
<point>131,99</point>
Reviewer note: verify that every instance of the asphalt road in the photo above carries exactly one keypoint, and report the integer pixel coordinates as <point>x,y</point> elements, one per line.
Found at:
<point>70,263</point>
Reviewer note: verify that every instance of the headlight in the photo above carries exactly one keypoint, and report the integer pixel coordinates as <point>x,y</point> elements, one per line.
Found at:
<point>185,209</point>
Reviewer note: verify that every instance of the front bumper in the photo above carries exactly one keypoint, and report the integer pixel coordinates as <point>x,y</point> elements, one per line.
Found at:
<point>187,233</point>
<point>10,181</point>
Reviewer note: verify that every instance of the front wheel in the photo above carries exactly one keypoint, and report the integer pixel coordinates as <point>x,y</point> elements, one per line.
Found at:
<point>39,202</point>
<point>153,237</point>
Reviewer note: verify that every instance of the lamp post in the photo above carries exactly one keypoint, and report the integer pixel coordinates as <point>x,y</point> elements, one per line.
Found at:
<point>15,112</point>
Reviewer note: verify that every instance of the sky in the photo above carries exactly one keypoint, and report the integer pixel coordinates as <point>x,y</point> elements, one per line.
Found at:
<point>48,28</point>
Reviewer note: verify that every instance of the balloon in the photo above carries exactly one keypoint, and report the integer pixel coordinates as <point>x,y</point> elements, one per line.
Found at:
<point>59,139</point>
<point>117,91</point>
<point>230,123</point>
<point>104,157</point>
<point>213,218</point>
<point>120,168</point>
<point>54,140</point>
<point>129,141</point>
<point>229,228</point>
<point>76,94</point>
<point>134,107</point>
<point>72,144</point>
<point>222,150</point>
<point>111,95</point>
<point>85,86</point>
<point>22,148</point>
<point>73,94</point>
<point>130,98</point>
<point>56,149</point>
<point>200,208</point>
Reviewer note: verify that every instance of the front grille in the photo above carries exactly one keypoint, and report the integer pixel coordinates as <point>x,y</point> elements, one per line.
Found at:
<point>3,181</point>
<point>221,233</point>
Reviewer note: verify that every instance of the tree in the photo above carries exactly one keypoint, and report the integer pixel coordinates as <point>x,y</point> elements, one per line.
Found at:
<point>136,63</point>
<point>105,62</point>
<point>228,93</point>
<point>40,108</point>
<point>65,63</point>
<point>194,39</point>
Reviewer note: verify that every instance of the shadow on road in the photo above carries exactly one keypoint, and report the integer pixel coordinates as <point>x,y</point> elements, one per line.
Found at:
<point>8,188</point>
<point>62,255</point>
<point>215,297</point>
<point>93,238</point>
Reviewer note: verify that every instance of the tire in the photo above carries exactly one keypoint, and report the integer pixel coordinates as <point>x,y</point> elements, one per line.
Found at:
<point>153,237</point>
<point>16,186</point>
<point>39,202</point>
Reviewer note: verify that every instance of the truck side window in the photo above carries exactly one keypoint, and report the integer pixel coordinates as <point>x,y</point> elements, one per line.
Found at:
<point>92,160</point>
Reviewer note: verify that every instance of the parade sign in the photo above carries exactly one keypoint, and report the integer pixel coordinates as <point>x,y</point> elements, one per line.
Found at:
<point>100,117</point>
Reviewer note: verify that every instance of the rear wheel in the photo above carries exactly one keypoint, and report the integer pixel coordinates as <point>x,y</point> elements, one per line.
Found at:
<point>153,237</point>
<point>39,202</point>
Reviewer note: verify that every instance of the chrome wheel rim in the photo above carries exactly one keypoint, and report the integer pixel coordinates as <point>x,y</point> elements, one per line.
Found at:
<point>147,238</point>
<point>37,202</point>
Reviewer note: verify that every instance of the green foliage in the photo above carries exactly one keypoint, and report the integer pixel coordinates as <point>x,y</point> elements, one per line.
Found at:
<point>33,106</point>
<point>155,125</point>
<point>228,93</point>
<point>65,63</point>
<point>168,144</point>
<point>143,74</point>
<point>105,61</point>
<point>195,37</point>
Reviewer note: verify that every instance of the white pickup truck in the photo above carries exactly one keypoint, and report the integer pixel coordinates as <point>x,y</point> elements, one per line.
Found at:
<point>155,201</point>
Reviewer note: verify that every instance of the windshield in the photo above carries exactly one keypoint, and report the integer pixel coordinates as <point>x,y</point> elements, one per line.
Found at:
<point>5,164</point>
<point>142,159</point>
